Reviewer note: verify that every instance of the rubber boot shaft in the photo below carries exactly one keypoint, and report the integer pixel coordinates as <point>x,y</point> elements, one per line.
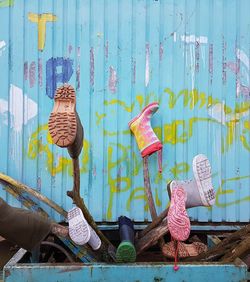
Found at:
<point>75,149</point>
<point>22,227</point>
<point>126,250</point>
<point>126,229</point>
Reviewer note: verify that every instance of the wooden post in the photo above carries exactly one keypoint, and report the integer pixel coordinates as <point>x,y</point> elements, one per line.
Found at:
<point>150,196</point>
<point>105,253</point>
<point>228,249</point>
<point>151,237</point>
<point>153,224</point>
<point>84,253</point>
<point>107,249</point>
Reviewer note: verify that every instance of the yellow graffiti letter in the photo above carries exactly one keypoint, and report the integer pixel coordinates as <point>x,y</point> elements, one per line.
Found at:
<point>41,20</point>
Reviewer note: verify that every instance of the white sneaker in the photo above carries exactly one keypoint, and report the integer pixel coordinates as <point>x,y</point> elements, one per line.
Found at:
<point>79,229</point>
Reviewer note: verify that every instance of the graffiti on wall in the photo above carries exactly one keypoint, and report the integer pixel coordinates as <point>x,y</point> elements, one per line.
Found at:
<point>200,108</point>
<point>178,131</point>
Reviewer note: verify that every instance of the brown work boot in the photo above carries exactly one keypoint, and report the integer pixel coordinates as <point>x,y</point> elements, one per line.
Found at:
<point>64,123</point>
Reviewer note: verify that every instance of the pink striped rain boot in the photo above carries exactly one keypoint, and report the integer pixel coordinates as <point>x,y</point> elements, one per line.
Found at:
<point>146,139</point>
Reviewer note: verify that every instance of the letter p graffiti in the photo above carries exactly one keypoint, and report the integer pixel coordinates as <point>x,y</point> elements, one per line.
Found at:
<point>57,70</point>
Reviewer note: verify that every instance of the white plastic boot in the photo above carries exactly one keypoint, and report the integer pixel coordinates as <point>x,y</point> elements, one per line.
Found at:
<point>199,190</point>
<point>94,240</point>
<point>80,231</point>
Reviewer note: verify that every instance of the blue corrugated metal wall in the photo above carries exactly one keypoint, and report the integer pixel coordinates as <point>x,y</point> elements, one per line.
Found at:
<point>191,56</point>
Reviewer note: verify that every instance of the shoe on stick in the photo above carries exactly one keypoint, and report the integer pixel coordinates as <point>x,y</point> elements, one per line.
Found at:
<point>146,138</point>
<point>126,250</point>
<point>199,190</point>
<point>80,231</point>
<point>64,123</point>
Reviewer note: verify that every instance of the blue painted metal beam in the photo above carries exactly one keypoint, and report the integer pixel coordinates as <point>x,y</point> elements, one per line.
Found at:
<point>143,272</point>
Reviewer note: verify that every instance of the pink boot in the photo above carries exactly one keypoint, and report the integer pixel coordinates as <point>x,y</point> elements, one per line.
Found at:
<point>178,220</point>
<point>146,139</point>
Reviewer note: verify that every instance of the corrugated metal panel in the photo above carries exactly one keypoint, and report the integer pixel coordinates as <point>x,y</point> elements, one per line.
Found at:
<point>191,56</point>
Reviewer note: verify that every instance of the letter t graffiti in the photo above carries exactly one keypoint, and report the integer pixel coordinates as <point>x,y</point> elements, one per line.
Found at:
<point>41,20</point>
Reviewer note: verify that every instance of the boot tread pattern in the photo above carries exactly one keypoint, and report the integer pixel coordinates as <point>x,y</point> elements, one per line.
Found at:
<point>178,220</point>
<point>63,125</point>
<point>203,170</point>
<point>78,227</point>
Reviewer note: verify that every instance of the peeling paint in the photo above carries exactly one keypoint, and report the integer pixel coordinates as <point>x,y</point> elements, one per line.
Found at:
<point>40,72</point>
<point>133,71</point>
<point>21,108</point>
<point>240,54</point>
<point>25,70</point>
<point>161,50</point>
<point>211,60</point>
<point>70,49</point>
<point>147,71</point>
<point>78,52</point>
<point>197,56</point>
<point>92,66</point>
<point>78,77</point>
<point>2,47</point>
<point>194,39</point>
<point>233,67</point>
<point>32,74</point>
<point>241,70</point>
<point>106,49</point>
<point>174,36</point>
<point>112,80</point>
<point>224,61</point>
<point>218,113</point>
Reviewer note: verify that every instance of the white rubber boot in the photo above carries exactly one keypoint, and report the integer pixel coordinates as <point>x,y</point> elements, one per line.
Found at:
<point>94,241</point>
<point>79,229</point>
<point>199,190</point>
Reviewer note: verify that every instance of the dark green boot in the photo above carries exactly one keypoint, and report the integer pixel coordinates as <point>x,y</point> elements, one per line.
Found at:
<point>126,250</point>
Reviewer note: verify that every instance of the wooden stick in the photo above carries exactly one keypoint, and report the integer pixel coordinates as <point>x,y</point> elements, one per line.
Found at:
<point>105,252</point>
<point>150,196</point>
<point>107,249</point>
<point>153,224</point>
<point>224,247</point>
<point>28,203</point>
<point>84,253</point>
<point>151,237</point>
<point>26,189</point>
<point>240,250</point>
